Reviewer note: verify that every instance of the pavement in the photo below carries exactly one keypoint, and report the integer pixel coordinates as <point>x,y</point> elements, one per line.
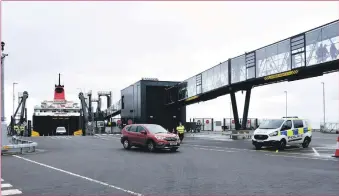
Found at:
<point>98,165</point>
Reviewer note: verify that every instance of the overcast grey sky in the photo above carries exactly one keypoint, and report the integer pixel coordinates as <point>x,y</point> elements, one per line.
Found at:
<point>110,45</point>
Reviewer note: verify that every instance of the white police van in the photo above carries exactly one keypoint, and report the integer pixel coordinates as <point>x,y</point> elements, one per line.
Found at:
<point>281,132</point>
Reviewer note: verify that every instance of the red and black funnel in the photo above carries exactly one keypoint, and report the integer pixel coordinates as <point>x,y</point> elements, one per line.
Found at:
<point>59,91</point>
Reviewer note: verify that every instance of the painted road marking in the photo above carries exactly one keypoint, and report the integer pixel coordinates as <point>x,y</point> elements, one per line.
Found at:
<point>306,155</point>
<point>214,150</point>
<point>10,192</point>
<point>6,191</point>
<point>315,152</point>
<point>79,176</point>
<point>60,137</point>
<point>303,157</point>
<point>6,185</point>
<point>107,137</point>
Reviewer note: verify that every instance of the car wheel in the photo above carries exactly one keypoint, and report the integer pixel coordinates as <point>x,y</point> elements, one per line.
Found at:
<point>150,146</point>
<point>306,142</point>
<point>174,149</point>
<point>126,144</point>
<point>282,145</point>
<point>258,146</point>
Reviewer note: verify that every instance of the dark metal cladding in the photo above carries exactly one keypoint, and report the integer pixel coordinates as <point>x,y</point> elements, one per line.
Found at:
<point>144,102</point>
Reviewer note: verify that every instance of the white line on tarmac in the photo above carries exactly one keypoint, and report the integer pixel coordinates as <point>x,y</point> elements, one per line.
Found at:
<point>304,157</point>
<point>250,150</point>
<point>79,176</point>
<point>214,149</point>
<point>10,192</point>
<point>6,185</point>
<point>315,152</point>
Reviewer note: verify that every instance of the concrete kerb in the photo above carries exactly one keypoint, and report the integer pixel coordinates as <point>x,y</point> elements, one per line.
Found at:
<point>19,145</point>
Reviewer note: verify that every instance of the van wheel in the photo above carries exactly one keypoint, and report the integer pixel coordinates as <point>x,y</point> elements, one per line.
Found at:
<point>306,142</point>
<point>282,144</point>
<point>126,144</point>
<point>151,146</point>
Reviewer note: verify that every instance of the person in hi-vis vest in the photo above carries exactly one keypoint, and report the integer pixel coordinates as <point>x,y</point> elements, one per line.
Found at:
<point>181,131</point>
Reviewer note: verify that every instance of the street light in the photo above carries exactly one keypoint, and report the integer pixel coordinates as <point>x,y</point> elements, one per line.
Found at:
<point>323,99</point>
<point>286,103</point>
<point>14,83</point>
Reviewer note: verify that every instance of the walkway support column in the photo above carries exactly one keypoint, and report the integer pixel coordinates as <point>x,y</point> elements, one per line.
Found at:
<point>246,107</point>
<point>235,111</point>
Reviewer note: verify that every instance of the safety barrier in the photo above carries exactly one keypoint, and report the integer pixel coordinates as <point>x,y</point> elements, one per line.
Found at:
<point>329,128</point>
<point>19,144</point>
<point>242,134</point>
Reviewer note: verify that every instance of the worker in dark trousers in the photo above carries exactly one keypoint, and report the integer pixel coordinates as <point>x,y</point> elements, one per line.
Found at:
<point>181,131</point>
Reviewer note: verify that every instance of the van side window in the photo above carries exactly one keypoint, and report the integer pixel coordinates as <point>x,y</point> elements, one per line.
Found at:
<point>288,124</point>
<point>298,123</point>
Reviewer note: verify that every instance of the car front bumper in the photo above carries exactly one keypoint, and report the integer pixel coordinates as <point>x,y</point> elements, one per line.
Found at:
<point>265,143</point>
<point>167,145</point>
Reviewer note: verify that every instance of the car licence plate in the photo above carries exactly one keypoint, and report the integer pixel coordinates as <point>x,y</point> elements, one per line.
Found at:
<point>173,143</point>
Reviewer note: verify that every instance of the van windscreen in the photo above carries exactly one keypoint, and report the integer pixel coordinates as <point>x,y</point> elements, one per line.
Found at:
<point>271,124</point>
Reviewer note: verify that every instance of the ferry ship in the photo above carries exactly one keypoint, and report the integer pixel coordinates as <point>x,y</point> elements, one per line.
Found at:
<point>50,115</point>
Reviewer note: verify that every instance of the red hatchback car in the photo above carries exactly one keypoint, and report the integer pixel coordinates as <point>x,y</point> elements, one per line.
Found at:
<point>151,136</point>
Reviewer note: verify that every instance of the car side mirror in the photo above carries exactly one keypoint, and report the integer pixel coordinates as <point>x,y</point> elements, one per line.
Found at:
<point>143,132</point>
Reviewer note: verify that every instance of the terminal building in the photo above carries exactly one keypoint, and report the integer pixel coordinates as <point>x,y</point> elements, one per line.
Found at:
<point>144,102</point>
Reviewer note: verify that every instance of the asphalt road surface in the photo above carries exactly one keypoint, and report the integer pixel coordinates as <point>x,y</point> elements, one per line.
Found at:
<point>204,165</point>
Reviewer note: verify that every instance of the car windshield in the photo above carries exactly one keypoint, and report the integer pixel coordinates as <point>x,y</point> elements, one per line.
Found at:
<point>155,128</point>
<point>271,124</point>
<point>61,128</point>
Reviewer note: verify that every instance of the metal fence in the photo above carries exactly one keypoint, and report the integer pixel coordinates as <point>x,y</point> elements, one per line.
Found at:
<point>329,127</point>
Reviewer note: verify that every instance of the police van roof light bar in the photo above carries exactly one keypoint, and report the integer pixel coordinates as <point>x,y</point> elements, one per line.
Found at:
<point>290,117</point>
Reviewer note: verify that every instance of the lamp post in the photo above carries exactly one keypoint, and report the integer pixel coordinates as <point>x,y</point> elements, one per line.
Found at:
<point>2,66</point>
<point>14,83</point>
<point>323,100</point>
<point>286,104</point>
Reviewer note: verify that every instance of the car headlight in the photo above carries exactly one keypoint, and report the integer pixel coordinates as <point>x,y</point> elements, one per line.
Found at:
<point>275,133</point>
<point>160,137</point>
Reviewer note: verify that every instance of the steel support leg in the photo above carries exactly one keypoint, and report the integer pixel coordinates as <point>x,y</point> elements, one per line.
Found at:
<point>235,111</point>
<point>246,107</point>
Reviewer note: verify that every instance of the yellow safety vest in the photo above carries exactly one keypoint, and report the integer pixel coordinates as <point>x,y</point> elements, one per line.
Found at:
<point>181,129</point>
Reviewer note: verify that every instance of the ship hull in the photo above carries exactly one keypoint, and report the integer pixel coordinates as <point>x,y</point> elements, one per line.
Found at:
<point>47,125</point>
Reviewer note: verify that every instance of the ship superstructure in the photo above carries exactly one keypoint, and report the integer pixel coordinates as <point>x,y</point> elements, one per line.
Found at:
<point>57,113</point>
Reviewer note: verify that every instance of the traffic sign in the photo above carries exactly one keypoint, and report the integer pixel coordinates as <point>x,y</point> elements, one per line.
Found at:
<point>119,122</point>
<point>129,121</point>
<point>207,121</point>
